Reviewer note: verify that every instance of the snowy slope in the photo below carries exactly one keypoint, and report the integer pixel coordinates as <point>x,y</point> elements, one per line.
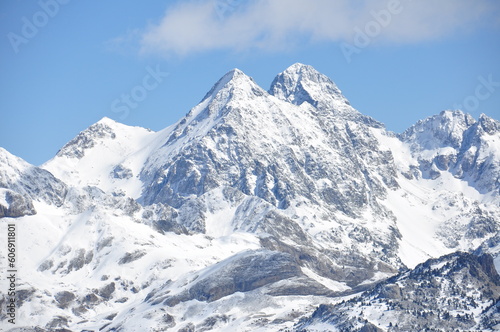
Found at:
<point>108,155</point>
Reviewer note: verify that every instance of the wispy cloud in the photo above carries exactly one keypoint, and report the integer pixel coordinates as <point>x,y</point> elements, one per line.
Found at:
<point>124,44</point>
<point>198,26</point>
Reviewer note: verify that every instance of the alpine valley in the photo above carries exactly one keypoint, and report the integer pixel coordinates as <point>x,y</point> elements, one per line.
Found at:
<point>278,210</point>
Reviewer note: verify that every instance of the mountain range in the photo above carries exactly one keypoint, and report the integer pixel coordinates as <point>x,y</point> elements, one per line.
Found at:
<point>277,210</point>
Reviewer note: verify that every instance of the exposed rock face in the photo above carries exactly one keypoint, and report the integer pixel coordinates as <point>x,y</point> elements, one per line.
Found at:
<point>301,83</point>
<point>14,205</point>
<point>64,298</point>
<point>246,272</point>
<point>77,146</point>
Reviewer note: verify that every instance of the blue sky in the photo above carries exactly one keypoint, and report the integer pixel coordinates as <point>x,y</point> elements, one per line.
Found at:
<point>65,64</point>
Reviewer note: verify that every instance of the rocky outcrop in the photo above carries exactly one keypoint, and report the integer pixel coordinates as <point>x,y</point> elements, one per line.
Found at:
<point>13,205</point>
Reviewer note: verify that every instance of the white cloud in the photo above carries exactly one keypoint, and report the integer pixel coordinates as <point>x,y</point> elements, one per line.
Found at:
<point>203,25</point>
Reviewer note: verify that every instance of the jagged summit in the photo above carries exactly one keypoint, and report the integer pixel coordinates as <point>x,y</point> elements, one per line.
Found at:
<point>453,141</point>
<point>445,129</point>
<point>235,92</point>
<point>301,83</point>
<point>449,129</point>
<point>488,124</point>
<point>234,79</point>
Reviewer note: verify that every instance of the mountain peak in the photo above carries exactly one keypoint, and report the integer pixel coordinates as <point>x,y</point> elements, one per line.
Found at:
<point>489,125</point>
<point>233,74</point>
<point>456,115</point>
<point>444,129</point>
<point>107,121</point>
<point>87,139</point>
<point>235,78</point>
<point>301,83</point>
<point>300,67</point>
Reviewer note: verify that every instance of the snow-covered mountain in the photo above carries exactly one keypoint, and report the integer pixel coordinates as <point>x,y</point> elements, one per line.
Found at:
<point>249,212</point>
